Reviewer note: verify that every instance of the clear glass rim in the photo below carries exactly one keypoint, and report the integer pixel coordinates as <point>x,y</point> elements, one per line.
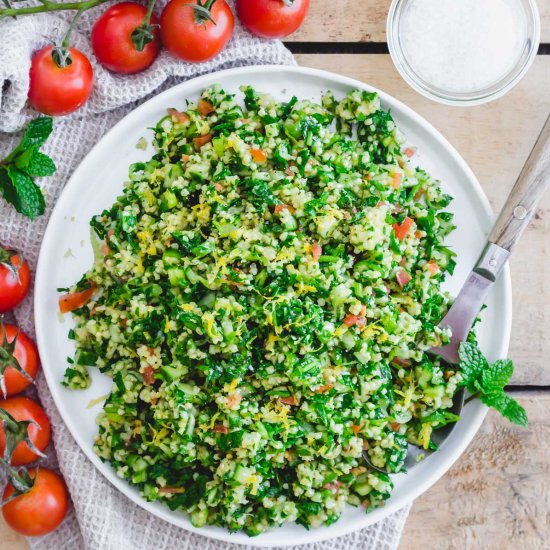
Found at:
<point>496,90</point>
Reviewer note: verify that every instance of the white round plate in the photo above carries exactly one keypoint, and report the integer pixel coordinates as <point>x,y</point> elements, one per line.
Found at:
<point>99,179</point>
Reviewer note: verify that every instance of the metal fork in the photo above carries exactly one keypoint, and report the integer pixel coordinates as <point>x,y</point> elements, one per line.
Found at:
<point>512,221</point>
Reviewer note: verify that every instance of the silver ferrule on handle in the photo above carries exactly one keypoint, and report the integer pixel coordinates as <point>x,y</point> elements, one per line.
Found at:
<point>492,261</point>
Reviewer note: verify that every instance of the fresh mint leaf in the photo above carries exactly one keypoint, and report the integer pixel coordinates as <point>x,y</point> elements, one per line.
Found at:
<point>40,165</point>
<point>37,132</point>
<point>22,159</point>
<point>488,383</point>
<point>25,162</point>
<point>507,406</point>
<point>497,376</point>
<point>7,190</point>
<point>30,200</point>
<point>472,362</point>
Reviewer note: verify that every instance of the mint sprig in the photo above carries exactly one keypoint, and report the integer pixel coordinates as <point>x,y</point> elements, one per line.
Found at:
<point>488,382</point>
<point>22,165</point>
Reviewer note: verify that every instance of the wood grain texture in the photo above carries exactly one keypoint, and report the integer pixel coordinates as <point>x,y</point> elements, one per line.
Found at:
<point>365,21</point>
<point>531,186</point>
<point>497,495</point>
<point>9,540</point>
<point>495,139</point>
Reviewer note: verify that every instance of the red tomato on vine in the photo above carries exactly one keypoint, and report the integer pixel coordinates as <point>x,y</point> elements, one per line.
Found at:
<point>61,80</point>
<point>195,31</point>
<point>272,18</point>
<point>126,39</point>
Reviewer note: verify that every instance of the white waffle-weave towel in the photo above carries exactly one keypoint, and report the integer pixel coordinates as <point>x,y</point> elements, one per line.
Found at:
<point>101,518</point>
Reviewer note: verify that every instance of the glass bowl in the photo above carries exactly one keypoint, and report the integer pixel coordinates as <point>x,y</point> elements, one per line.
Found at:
<point>529,35</point>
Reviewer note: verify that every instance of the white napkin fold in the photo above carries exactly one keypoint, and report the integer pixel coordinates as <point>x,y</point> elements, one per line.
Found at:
<point>102,518</point>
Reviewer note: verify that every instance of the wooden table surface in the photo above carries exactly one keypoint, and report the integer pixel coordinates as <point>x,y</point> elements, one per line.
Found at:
<point>497,495</point>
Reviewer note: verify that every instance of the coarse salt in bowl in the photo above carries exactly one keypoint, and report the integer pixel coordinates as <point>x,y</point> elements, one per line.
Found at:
<point>463,52</point>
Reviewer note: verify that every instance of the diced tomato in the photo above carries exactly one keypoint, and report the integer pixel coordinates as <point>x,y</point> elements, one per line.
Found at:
<point>397,180</point>
<point>219,187</point>
<point>334,486</point>
<point>324,388</point>
<point>409,152</point>
<point>291,400</point>
<point>401,362</point>
<point>201,140</point>
<point>178,116</point>
<point>402,229</point>
<point>220,428</point>
<point>185,158</point>
<point>395,426</point>
<point>316,251</point>
<point>355,428</point>
<point>289,172</point>
<point>350,320</point>
<point>148,373</point>
<point>258,156</point>
<point>205,107</point>
<point>280,207</point>
<point>233,400</point>
<point>403,277</point>
<point>432,267</point>
<point>417,234</point>
<point>105,249</point>
<point>75,300</point>
<point>363,310</point>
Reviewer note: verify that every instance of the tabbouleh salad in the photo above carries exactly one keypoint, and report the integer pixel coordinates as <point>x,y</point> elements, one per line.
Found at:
<point>264,294</point>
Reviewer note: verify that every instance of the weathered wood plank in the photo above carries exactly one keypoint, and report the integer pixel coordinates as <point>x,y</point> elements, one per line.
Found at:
<point>498,493</point>
<point>495,139</point>
<point>9,540</point>
<point>362,21</point>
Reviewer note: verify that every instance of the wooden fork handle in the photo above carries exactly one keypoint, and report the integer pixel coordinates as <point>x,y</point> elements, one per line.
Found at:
<point>526,194</point>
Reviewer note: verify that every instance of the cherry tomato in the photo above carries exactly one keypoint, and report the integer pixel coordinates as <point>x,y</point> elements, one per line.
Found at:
<point>272,18</point>
<point>191,37</point>
<point>40,510</point>
<point>112,39</point>
<point>26,355</point>
<point>76,300</point>
<point>14,280</point>
<point>57,90</point>
<point>23,408</point>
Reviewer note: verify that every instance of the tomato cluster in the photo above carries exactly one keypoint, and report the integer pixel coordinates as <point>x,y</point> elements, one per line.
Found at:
<point>35,501</point>
<point>127,38</point>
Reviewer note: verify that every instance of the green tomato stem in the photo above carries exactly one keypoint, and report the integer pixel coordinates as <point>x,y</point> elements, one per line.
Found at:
<point>47,6</point>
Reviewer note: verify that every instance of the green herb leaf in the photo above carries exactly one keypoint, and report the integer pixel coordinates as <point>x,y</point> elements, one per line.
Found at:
<point>507,406</point>
<point>37,132</point>
<point>22,164</point>
<point>29,200</point>
<point>472,362</point>
<point>40,165</point>
<point>496,377</point>
<point>6,186</point>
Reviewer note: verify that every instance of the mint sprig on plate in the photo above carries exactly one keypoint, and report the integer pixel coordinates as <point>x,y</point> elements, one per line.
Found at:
<point>22,165</point>
<point>488,382</point>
